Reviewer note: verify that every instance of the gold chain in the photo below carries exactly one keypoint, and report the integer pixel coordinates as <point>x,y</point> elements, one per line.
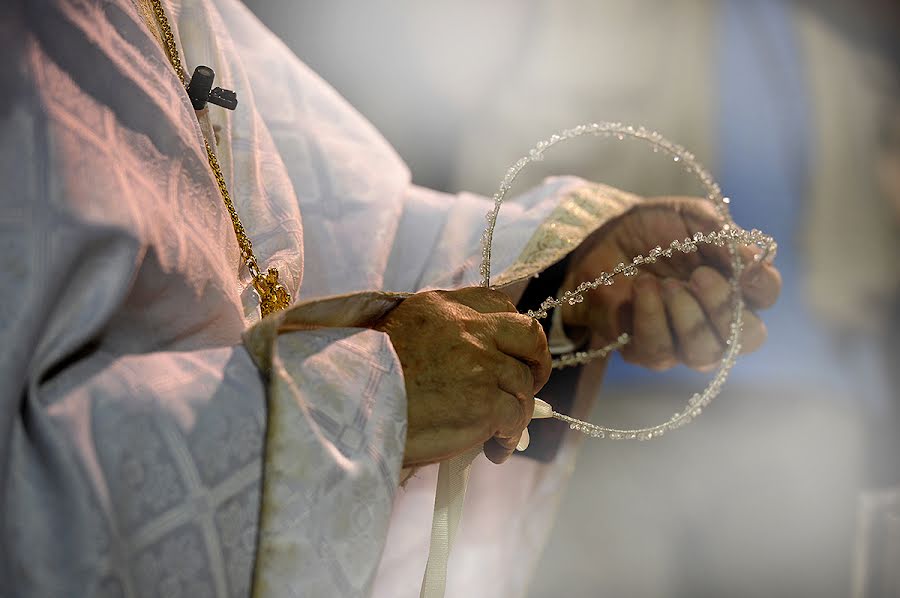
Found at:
<point>273,296</point>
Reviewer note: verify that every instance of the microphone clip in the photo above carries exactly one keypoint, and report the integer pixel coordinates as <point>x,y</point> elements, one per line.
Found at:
<point>200,90</point>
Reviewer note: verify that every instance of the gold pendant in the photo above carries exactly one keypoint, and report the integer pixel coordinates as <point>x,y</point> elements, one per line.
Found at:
<point>272,294</point>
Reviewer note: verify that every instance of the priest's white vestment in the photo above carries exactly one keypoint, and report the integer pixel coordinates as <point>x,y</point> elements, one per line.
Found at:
<point>158,439</point>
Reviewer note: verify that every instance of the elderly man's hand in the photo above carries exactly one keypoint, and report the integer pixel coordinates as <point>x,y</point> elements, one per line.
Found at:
<point>472,365</point>
<point>678,309</point>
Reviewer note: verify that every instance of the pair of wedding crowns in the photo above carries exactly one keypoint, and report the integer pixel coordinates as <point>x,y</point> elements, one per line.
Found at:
<point>729,235</point>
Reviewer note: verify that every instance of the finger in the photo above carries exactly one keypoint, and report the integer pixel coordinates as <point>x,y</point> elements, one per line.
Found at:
<point>511,413</point>
<point>515,377</point>
<point>720,257</point>
<point>522,337</point>
<point>697,344</point>
<point>651,344</point>
<point>498,451</point>
<point>702,216</point>
<point>605,311</point>
<point>486,301</point>
<point>713,292</point>
<point>761,285</point>
<point>754,333</point>
<point>699,215</point>
<point>516,412</point>
<point>760,282</point>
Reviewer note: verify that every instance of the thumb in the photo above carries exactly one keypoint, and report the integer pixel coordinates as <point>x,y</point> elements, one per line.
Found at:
<point>498,450</point>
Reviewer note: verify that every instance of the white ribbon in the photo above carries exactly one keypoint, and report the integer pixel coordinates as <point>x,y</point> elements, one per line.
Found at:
<point>453,478</point>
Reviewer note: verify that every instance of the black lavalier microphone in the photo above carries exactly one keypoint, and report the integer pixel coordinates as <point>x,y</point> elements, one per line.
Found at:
<point>201,90</point>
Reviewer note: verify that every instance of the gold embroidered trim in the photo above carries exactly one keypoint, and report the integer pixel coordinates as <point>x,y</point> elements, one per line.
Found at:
<point>580,213</point>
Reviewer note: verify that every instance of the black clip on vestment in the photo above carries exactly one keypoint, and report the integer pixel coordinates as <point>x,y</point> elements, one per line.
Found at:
<point>201,91</point>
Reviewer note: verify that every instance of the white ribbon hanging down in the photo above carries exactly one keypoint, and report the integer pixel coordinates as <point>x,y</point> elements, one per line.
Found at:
<point>453,478</point>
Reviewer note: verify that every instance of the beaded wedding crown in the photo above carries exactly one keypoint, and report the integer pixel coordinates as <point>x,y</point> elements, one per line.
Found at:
<point>728,235</point>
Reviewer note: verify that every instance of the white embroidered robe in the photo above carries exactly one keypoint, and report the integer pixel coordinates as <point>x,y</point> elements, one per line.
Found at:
<point>146,449</point>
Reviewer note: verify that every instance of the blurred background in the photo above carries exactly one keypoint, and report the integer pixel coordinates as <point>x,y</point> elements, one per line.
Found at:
<point>787,486</point>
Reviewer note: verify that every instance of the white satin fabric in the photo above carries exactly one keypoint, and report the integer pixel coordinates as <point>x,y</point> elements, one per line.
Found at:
<point>133,420</point>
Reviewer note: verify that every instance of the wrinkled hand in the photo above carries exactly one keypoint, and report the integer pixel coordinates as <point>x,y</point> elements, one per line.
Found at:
<point>472,365</point>
<point>678,309</point>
